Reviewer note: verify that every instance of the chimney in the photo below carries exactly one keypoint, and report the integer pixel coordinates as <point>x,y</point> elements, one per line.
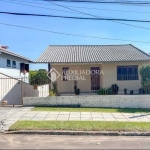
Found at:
<point>4,47</point>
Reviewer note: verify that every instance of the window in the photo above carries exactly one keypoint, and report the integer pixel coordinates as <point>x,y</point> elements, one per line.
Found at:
<point>27,67</point>
<point>65,69</point>
<point>8,63</point>
<point>14,64</point>
<point>127,73</point>
<point>24,67</point>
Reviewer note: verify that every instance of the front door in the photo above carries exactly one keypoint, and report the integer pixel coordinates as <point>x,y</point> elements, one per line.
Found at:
<point>95,81</point>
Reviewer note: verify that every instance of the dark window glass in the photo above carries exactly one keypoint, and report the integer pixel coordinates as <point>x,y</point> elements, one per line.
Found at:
<point>127,73</point>
<point>14,64</point>
<point>130,70</point>
<point>119,71</point>
<point>27,67</point>
<point>124,71</point>
<point>8,63</point>
<point>22,67</point>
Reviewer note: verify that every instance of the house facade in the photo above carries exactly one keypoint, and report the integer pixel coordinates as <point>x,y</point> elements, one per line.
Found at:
<point>13,68</point>
<point>92,67</point>
<point>12,64</point>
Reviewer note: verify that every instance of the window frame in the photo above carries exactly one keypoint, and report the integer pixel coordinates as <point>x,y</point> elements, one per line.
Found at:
<point>7,63</point>
<point>64,68</point>
<point>127,76</point>
<point>14,66</point>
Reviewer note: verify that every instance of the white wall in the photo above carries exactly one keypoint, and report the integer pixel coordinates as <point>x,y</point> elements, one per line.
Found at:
<point>68,86</point>
<point>13,90</point>
<point>43,90</point>
<point>13,72</point>
<point>113,101</point>
<point>106,80</point>
<point>110,77</point>
<point>10,90</point>
<point>30,91</point>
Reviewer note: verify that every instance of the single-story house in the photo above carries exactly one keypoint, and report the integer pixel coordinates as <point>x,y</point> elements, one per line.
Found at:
<point>92,67</point>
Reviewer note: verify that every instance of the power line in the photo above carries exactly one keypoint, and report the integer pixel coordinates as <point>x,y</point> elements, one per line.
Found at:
<point>69,34</point>
<point>70,17</point>
<point>94,15</point>
<point>35,2</point>
<point>111,9</point>
<point>110,20</point>
<point>106,2</point>
<point>110,2</point>
<point>100,1</point>
<point>39,7</point>
<point>70,6</point>
<point>99,9</point>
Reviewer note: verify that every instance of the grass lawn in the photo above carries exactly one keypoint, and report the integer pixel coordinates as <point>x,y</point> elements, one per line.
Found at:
<point>81,126</point>
<point>109,110</point>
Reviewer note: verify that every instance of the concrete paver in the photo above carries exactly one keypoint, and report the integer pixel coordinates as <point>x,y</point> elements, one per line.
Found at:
<point>64,113</point>
<point>65,118</point>
<point>54,113</point>
<point>26,118</point>
<point>74,119</point>
<point>9,115</point>
<point>51,116</point>
<point>98,119</point>
<point>38,119</point>
<point>52,119</point>
<point>86,119</point>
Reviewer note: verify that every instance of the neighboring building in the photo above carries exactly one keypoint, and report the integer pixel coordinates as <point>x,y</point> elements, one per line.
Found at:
<point>12,64</point>
<point>117,64</point>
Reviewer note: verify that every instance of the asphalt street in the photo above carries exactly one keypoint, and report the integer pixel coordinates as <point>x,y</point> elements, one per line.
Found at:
<point>22,141</point>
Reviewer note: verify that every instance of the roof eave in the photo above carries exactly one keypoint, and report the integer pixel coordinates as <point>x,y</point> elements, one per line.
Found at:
<point>95,62</point>
<point>18,57</point>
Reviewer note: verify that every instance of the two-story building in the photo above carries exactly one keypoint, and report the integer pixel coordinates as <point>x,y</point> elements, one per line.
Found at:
<point>12,64</point>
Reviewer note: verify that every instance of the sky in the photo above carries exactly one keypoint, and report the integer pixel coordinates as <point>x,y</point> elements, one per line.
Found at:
<point>31,43</point>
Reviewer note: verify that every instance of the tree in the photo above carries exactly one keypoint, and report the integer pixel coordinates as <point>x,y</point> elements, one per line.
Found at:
<point>144,71</point>
<point>38,77</point>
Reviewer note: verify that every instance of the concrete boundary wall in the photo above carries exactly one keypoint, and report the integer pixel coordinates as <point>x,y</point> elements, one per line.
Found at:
<point>113,101</point>
<point>13,89</point>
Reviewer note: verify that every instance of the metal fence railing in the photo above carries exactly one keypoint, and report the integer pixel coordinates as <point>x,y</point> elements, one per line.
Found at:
<point>103,85</point>
<point>106,84</point>
<point>16,88</point>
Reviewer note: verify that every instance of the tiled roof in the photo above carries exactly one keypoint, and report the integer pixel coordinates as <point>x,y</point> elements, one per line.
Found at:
<point>13,54</point>
<point>92,54</point>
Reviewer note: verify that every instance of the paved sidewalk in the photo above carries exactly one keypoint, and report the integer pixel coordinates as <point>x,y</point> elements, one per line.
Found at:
<point>9,115</point>
<point>86,116</point>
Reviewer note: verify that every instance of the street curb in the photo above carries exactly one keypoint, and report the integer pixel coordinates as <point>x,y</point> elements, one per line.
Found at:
<point>93,133</point>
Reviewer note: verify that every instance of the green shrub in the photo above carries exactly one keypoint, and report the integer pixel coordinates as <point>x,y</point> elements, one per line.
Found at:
<point>144,71</point>
<point>38,77</point>
<point>54,91</point>
<point>105,91</point>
